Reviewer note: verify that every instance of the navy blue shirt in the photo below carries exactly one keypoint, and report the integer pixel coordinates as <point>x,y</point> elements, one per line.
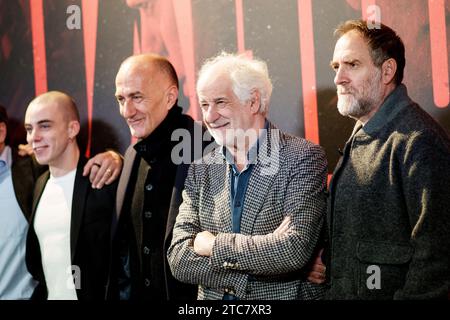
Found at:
<point>239,180</point>
<point>239,183</point>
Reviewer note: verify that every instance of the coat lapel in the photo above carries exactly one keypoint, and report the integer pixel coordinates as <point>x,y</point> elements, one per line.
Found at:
<point>130,155</point>
<point>336,172</point>
<point>38,190</point>
<point>356,128</point>
<point>80,191</point>
<point>220,190</point>
<point>262,177</point>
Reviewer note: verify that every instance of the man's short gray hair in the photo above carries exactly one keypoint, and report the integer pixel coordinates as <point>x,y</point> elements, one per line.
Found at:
<point>245,74</point>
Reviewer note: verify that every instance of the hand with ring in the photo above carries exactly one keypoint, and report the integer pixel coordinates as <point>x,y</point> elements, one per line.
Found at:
<point>104,168</point>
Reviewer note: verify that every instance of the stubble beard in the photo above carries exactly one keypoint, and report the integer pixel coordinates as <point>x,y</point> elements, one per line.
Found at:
<point>357,105</point>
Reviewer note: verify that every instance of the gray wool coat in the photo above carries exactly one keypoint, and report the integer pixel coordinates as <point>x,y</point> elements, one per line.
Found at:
<point>389,208</point>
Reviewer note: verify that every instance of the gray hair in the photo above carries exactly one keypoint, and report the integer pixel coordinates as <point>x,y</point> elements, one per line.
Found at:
<point>245,74</point>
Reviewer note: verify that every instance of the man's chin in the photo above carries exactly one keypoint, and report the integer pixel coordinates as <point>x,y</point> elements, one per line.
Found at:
<point>218,138</point>
<point>344,111</point>
<point>42,161</point>
<point>354,114</point>
<point>348,109</point>
<point>136,134</point>
<point>349,114</point>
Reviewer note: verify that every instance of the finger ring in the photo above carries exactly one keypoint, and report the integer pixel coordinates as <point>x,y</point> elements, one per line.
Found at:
<point>108,171</point>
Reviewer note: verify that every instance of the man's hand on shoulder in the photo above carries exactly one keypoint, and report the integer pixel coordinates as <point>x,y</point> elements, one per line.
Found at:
<point>103,168</point>
<point>25,150</point>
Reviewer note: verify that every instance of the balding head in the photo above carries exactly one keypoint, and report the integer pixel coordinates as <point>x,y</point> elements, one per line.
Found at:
<point>151,64</point>
<point>52,124</point>
<point>146,89</point>
<point>65,104</point>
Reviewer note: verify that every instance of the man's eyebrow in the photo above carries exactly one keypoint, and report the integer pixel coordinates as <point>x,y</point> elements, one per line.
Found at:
<point>45,121</point>
<point>349,61</point>
<point>345,61</point>
<point>220,98</point>
<point>134,93</point>
<point>214,100</point>
<point>130,94</point>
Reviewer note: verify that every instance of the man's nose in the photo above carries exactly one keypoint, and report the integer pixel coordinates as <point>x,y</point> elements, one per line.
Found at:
<point>210,114</point>
<point>32,136</point>
<point>340,77</point>
<point>128,109</point>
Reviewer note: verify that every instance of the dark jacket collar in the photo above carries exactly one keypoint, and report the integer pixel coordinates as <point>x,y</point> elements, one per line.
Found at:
<point>394,103</point>
<point>151,147</point>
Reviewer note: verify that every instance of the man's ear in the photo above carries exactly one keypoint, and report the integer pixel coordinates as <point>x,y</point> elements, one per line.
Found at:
<point>388,70</point>
<point>255,101</point>
<point>171,96</point>
<point>74,129</point>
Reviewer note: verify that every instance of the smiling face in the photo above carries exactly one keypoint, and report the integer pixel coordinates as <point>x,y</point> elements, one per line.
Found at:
<point>145,96</point>
<point>50,132</point>
<point>358,81</point>
<point>223,112</point>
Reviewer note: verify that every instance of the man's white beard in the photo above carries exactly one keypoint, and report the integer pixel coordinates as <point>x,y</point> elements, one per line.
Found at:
<point>368,98</point>
<point>349,106</point>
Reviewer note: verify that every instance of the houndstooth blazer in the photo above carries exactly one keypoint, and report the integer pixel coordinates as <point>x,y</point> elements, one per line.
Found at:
<point>289,178</point>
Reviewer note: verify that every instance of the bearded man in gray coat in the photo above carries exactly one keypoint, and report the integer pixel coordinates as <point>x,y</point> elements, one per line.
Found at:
<point>389,206</point>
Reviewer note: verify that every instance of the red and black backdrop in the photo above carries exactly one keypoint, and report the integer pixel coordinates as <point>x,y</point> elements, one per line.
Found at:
<point>40,52</point>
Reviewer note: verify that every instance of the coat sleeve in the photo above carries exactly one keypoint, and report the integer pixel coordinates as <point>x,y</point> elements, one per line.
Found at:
<point>185,264</point>
<point>426,176</point>
<point>236,256</point>
<point>304,200</point>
